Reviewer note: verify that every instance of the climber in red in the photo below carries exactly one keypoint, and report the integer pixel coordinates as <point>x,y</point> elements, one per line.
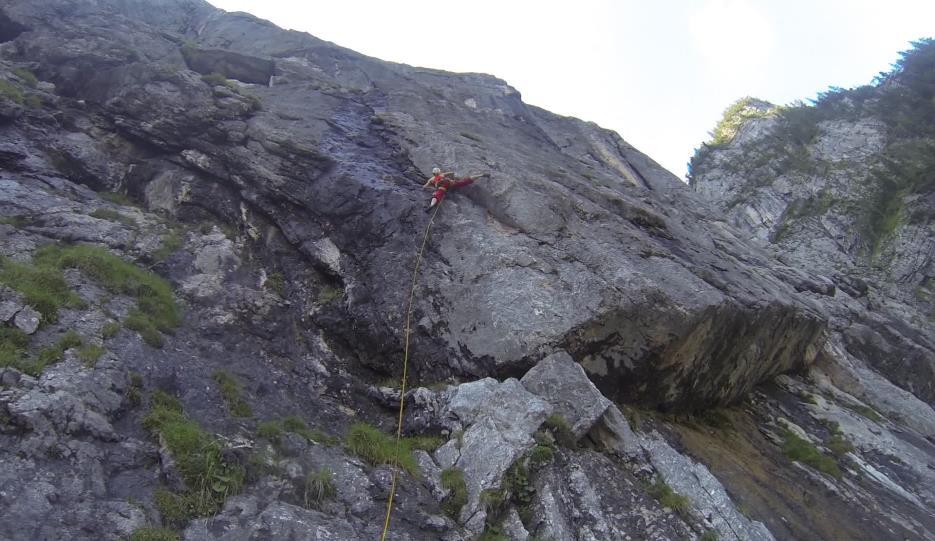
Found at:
<point>442,182</point>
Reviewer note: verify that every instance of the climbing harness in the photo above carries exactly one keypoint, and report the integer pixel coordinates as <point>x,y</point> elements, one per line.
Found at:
<point>402,387</point>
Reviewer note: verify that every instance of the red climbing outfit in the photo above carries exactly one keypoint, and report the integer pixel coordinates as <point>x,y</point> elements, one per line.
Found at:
<point>442,184</point>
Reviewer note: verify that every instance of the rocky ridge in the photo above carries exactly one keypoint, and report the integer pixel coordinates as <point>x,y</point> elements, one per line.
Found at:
<point>272,180</point>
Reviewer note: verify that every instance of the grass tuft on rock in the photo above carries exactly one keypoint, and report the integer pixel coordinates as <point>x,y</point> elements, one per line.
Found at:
<point>198,458</point>
<point>156,311</point>
<point>800,450</point>
<point>109,330</point>
<point>275,429</point>
<point>113,216</point>
<point>52,354</point>
<point>42,285</point>
<point>90,354</point>
<point>232,391</point>
<point>377,448</point>
<point>318,488</point>
<point>453,482</point>
<point>154,534</point>
<point>171,243</point>
<point>561,431</point>
<point>663,493</point>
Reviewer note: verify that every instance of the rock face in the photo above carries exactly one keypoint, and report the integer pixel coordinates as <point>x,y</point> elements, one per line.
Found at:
<point>208,232</point>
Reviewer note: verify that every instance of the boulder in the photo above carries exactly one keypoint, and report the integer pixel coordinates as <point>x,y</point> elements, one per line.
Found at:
<point>27,320</point>
<point>560,381</point>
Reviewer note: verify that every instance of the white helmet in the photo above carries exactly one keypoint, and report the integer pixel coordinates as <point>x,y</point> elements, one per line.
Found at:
<point>436,171</point>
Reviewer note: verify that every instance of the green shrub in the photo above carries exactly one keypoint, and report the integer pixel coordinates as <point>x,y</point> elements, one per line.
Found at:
<point>154,534</point>
<point>90,354</point>
<point>318,488</point>
<point>377,448</point>
<point>799,450</point>
<point>198,457</point>
<point>43,287</point>
<point>232,392</point>
<point>453,481</point>
<point>710,535</point>
<point>113,216</point>
<point>28,77</point>
<point>663,493</point>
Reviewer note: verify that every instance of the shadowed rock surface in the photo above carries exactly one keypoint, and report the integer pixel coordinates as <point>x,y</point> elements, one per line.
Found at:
<point>262,191</point>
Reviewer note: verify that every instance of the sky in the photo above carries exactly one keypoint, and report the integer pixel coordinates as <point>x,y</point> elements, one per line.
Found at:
<point>660,73</point>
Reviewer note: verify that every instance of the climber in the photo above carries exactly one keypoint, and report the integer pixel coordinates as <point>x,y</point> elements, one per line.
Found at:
<point>442,182</point>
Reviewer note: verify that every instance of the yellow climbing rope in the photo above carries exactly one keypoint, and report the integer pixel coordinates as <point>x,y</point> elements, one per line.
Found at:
<point>402,387</point>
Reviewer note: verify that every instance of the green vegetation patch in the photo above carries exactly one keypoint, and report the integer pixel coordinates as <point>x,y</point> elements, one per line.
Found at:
<point>866,411</point>
<point>561,431</point>
<point>117,198</point>
<point>198,458</point>
<point>492,534</point>
<point>171,243</point>
<point>16,221</point>
<point>29,78</point>
<point>113,216</point>
<point>135,389</point>
<point>377,448</point>
<point>109,330</point>
<point>270,430</point>
<point>735,116</point>
<point>42,285</point>
<point>13,343</point>
<point>800,450</point>
<point>90,354</point>
<point>839,445</point>
<point>330,294</point>
<point>156,310</point>
<point>232,391</point>
<point>710,535</point>
<point>318,488</point>
<point>274,430</point>
<point>11,92</point>
<point>276,283</point>
<point>154,534</point>
<point>453,482</point>
<point>48,356</point>
<point>663,493</point>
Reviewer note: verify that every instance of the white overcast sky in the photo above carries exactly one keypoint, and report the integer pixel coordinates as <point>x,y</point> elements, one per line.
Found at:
<point>660,73</point>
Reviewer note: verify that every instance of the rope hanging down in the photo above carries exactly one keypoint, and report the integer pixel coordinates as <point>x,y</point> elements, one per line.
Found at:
<point>402,387</point>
